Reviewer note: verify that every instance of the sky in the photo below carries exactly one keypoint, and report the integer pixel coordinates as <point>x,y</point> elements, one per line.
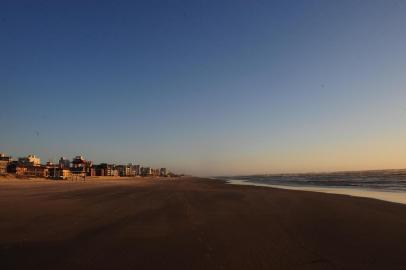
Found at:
<point>206,87</point>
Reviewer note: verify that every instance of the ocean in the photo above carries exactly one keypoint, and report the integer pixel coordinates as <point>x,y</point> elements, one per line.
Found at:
<point>387,185</point>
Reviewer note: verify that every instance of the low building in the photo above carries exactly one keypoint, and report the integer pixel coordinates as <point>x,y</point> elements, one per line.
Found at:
<point>20,170</point>
<point>155,172</point>
<point>12,166</point>
<point>163,172</point>
<point>32,171</point>
<point>59,173</point>
<point>4,161</point>
<point>3,166</point>
<point>90,171</point>
<point>99,170</point>
<point>64,163</point>
<point>3,157</point>
<point>78,166</point>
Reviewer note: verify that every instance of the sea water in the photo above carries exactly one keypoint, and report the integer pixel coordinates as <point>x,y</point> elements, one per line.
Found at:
<point>387,185</point>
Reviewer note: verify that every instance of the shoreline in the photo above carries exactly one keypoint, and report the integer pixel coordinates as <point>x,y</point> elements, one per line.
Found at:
<point>388,196</point>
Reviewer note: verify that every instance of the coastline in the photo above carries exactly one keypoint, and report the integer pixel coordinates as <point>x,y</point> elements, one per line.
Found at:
<point>388,196</point>
<point>193,223</point>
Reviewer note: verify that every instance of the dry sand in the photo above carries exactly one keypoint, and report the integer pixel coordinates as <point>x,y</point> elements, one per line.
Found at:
<point>193,223</point>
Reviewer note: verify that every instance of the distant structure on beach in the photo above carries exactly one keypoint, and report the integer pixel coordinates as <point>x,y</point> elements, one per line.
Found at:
<point>163,172</point>
<point>105,169</point>
<point>64,163</point>
<point>3,157</point>
<point>136,170</point>
<point>4,161</point>
<point>30,166</point>
<point>125,170</point>
<point>146,171</point>
<point>30,160</point>
<point>59,173</point>
<point>3,166</point>
<point>78,166</point>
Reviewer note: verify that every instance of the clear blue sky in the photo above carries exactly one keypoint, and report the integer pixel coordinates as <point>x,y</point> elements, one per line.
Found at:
<point>206,87</point>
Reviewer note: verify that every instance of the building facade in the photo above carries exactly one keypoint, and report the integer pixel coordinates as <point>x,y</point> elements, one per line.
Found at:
<point>163,172</point>
<point>59,173</point>
<point>64,163</point>
<point>3,157</point>
<point>124,170</point>
<point>105,169</point>
<point>30,160</point>
<point>3,166</point>
<point>31,171</point>
<point>78,166</point>
<point>146,171</point>
<point>136,170</point>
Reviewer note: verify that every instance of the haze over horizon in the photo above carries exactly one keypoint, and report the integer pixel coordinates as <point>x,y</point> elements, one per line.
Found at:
<point>206,88</point>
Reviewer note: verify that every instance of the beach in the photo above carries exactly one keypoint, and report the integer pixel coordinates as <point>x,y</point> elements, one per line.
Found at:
<point>193,223</point>
<point>384,195</point>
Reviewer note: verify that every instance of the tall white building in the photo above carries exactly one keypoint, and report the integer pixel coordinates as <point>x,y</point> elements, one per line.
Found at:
<point>36,161</point>
<point>30,160</point>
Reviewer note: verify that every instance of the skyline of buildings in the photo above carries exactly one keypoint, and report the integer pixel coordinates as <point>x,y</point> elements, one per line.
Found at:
<point>30,166</point>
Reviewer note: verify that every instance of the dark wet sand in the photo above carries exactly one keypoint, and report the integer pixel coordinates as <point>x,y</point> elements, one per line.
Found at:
<point>193,224</point>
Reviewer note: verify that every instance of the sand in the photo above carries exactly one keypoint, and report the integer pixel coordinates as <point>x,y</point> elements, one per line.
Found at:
<point>192,223</point>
